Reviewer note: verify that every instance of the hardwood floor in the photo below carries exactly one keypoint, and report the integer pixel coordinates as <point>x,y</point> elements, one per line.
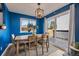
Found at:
<point>53,51</point>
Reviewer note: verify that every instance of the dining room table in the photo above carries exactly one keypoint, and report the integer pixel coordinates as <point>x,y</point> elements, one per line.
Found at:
<point>25,39</point>
<point>19,39</point>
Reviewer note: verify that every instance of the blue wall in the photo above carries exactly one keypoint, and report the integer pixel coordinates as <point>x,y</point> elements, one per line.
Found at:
<point>40,24</point>
<point>77,22</point>
<point>12,21</point>
<point>5,34</point>
<point>15,23</point>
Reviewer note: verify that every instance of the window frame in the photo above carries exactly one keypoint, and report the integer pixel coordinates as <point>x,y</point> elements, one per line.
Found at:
<point>29,20</point>
<point>59,15</point>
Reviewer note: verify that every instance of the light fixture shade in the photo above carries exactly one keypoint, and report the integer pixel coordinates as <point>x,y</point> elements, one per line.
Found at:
<point>39,12</point>
<point>3,27</point>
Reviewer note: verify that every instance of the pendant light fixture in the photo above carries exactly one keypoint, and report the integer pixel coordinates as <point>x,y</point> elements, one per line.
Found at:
<point>39,11</point>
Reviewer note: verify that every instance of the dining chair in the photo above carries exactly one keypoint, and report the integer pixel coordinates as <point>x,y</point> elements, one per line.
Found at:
<point>13,38</point>
<point>32,43</point>
<point>40,42</point>
<point>21,43</point>
<point>44,40</point>
<point>13,41</point>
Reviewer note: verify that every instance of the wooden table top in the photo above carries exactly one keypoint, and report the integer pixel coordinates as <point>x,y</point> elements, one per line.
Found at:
<point>25,37</point>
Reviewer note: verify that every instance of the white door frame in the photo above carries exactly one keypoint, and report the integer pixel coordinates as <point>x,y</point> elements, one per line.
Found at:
<point>71,40</point>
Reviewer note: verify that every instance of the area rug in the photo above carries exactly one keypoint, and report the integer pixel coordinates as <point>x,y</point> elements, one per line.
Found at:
<point>52,51</point>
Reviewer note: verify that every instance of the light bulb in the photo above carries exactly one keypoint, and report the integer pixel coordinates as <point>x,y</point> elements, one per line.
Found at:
<point>3,27</point>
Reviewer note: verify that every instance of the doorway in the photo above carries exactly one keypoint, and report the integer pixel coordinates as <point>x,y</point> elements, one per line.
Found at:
<point>58,29</point>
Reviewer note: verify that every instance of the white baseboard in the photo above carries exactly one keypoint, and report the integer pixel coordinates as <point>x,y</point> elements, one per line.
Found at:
<point>6,49</point>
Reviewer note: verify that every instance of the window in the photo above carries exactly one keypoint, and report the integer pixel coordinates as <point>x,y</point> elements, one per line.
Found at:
<point>33,23</point>
<point>51,26</point>
<point>63,22</point>
<point>27,25</point>
<point>51,23</point>
<point>23,25</point>
<point>59,22</point>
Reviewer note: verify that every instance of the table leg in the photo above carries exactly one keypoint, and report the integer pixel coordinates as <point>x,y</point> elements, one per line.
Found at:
<point>17,47</point>
<point>47,44</point>
<point>29,48</point>
<point>36,49</point>
<point>25,49</point>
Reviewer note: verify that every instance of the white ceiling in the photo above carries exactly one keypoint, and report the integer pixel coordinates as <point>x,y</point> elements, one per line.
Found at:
<point>29,8</point>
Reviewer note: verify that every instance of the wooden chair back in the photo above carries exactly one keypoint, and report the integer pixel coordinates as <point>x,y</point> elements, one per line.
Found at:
<point>45,36</point>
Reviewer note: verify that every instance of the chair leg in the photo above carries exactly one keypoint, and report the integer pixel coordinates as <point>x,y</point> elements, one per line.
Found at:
<point>48,42</point>
<point>25,50</point>
<point>47,45</point>
<point>29,49</point>
<point>15,48</point>
<point>36,48</point>
<point>36,51</point>
<point>42,48</point>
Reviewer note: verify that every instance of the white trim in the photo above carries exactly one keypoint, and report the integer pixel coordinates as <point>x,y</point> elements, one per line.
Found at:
<point>6,49</point>
<point>75,49</point>
<point>72,24</point>
<point>71,27</point>
<point>45,25</point>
